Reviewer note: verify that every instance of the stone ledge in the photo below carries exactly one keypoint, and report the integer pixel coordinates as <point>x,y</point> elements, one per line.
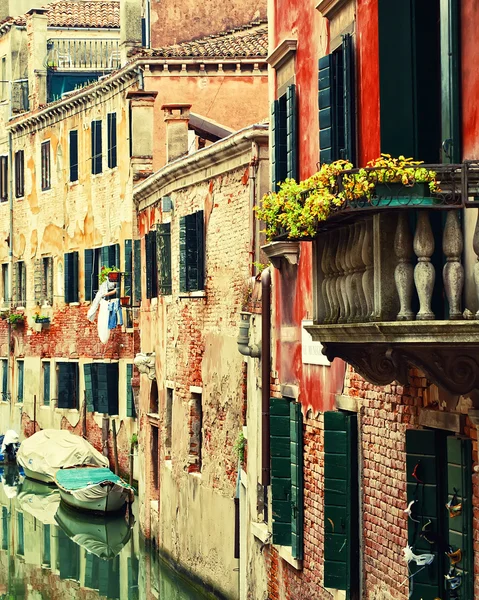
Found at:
<point>260,531</point>
<point>275,251</point>
<point>348,403</point>
<point>285,554</point>
<point>438,419</point>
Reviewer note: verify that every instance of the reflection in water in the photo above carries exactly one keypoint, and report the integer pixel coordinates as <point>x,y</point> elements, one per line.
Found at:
<point>49,551</point>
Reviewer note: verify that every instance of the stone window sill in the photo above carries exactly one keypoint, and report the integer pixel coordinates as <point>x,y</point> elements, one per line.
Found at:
<point>68,410</point>
<point>285,554</point>
<point>198,294</point>
<point>260,531</point>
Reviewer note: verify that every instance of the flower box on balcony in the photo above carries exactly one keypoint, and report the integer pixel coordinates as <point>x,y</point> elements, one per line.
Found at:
<point>397,194</point>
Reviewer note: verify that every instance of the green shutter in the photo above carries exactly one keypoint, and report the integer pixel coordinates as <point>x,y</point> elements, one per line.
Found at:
<point>68,556</point>
<point>327,139</point>
<point>183,263</point>
<point>88,374</point>
<point>96,147</point>
<point>89,257</point>
<point>291,133</point>
<point>137,271</point>
<point>297,508</point>
<point>46,384</point>
<point>4,380</point>
<point>4,528</point>
<point>349,93</point>
<point>450,78</point>
<point>114,255</point>
<point>195,256</point>
<point>425,457</point>
<point>111,122</point>
<point>148,260</point>
<point>132,563</point>
<point>21,534</point>
<point>105,256</point>
<point>280,450</point>
<point>92,564</point>
<point>73,155</point>
<point>67,274</point>
<point>279,150</point>
<point>102,387</point>
<point>460,528</point>
<point>163,246</point>
<point>130,403</point>
<point>112,378</point>
<point>341,500</point>
<point>71,277</point>
<point>128,277</point>
<point>46,554</point>
<point>20,372</point>
<point>66,383</point>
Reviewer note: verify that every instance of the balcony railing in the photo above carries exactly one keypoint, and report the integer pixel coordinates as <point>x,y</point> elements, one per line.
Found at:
<point>77,54</point>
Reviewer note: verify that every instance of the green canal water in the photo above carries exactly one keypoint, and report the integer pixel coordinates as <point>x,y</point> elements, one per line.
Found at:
<point>49,552</point>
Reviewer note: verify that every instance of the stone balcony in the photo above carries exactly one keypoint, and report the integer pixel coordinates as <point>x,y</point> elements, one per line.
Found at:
<point>396,284</point>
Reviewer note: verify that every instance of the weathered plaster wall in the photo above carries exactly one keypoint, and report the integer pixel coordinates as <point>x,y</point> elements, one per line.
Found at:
<point>469,78</point>
<point>182,20</point>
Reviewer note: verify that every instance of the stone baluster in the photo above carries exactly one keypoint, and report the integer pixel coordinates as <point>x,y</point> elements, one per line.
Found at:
<point>325,268</point>
<point>404,272</point>
<point>453,272</point>
<point>424,273</point>
<point>368,275</point>
<point>351,302</point>
<point>359,268</point>
<point>341,281</point>
<point>475,246</point>
<point>333,294</point>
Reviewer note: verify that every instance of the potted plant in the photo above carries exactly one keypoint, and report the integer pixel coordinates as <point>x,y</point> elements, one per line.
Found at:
<point>40,322</point>
<point>110,273</point>
<point>16,319</point>
<point>125,300</point>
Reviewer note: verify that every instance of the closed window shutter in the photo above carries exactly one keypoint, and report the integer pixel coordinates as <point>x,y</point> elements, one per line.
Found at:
<point>112,378</point>
<point>20,366</point>
<point>92,564</point>
<point>112,162</point>
<point>291,133</point>
<point>450,23</point>
<point>130,404</point>
<point>68,556</point>
<point>425,458</point>
<point>148,260</point>
<point>133,568</point>
<point>71,277</point>
<point>279,150</point>
<point>21,534</point>
<point>128,277</point>
<point>280,449</point>
<point>96,147</point>
<point>195,252</point>
<point>5,519</point>
<point>137,271</point>
<point>105,256</point>
<point>46,552</point>
<point>102,388</point>
<point>89,257</point>
<point>73,155</point>
<point>163,245</point>
<point>89,386</point>
<point>327,143</point>
<point>183,263</point>
<point>297,508</point>
<point>114,255</point>
<point>66,385</point>
<point>460,528</point>
<point>341,499</point>
<point>4,380</point>
<point>348,153</point>
<point>46,383</point>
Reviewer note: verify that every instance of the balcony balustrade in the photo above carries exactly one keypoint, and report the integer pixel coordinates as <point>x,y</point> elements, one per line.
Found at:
<point>396,283</point>
<point>76,54</point>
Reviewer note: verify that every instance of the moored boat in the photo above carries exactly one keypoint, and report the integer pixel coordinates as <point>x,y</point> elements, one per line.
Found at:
<point>93,489</point>
<point>45,452</point>
<point>9,445</point>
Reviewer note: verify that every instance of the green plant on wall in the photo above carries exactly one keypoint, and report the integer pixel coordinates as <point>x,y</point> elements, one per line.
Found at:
<point>239,447</point>
<point>15,318</point>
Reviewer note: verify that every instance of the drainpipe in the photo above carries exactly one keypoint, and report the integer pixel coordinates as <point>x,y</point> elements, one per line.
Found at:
<point>243,338</point>
<point>265,373</point>
<point>10,252</point>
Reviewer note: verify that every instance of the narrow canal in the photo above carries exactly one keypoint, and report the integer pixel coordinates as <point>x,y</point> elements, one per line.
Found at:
<point>50,552</point>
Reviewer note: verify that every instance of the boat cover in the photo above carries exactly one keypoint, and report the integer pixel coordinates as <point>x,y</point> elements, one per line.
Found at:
<point>40,500</point>
<point>49,450</point>
<point>77,479</point>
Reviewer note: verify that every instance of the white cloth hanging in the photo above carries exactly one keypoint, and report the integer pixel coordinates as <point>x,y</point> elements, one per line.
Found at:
<point>103,314</point>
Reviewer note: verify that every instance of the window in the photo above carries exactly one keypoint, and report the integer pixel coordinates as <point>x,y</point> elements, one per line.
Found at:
<point>286,442</point>
<point>168,422</point>
<point>4,82</point>
<point>46,382</point>
<point>96,147</point>
<point>130,401</point>
<point>101,387</point>
<point>71,276</point>
<point>195,426</point>
<point>3,178</point>
<point>112,161</point>
<point>20,534</point>
<point>46,168</point>
<point>192,253</point>
<point>20,380</point>
<point>19,174</point>
<point>439,469</point>
<point>73,138</point>
<point>341,502</point>
<point>154,455</point>
<point>46,552</point>
<point>5,520</point>
<point>5,394</point>
<point>137,271</point>
<point>5,283</point>
<point>67,385</point>
<point>284,134</point>
<point>43,281</point>
<point>336,104</point>
<point>151,262</point>
<point>163,245</point>
<point>20,283</point>
<point>154,407</point>
<point>95,259</point>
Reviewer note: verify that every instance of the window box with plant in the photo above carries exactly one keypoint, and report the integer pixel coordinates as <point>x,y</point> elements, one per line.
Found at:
<point>297,210</point>
<point>111,273</point>
<point>40,322</point>
<point>15,319</point>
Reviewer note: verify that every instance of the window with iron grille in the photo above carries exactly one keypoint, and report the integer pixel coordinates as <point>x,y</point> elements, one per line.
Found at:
<point>96,147</point>
<point>46,167</point>
<point>47,280</point>
<point>21,283</point>
<point>20,379</point>
<point>19,174</point>
<point>3,178</point>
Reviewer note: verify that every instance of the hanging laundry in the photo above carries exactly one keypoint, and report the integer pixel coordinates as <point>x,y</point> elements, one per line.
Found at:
<point>115,316</point>
<point>103,316</point>
<point>105,288</point>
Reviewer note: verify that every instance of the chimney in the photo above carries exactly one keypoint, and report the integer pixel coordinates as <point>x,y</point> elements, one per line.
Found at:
<point>131,36</point>
<point>37,51</point>
<point>176,117</point>
<point>142,104</point>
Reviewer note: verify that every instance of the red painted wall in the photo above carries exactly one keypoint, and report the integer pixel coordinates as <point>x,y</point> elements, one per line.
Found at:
<point>470,78</point>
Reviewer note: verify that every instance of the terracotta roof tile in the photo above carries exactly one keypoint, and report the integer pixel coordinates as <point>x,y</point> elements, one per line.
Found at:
<point>250,41</point>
